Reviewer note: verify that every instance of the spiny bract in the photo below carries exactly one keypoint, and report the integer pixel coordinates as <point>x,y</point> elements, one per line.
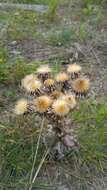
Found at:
<point>49,82</point>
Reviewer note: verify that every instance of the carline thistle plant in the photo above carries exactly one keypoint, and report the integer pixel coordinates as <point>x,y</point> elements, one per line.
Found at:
<point>54,97</point>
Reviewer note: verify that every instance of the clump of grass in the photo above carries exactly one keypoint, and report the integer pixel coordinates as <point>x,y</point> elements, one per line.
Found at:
<point>82,33</point>
<point>12,74</point>
<point>92,124</point>
<point>88,10</point>
<point>92,134</point>
<point>90,160</point>
<point>3,54</point>
<point>17,155</point>
<point>60,38</point>
<point>52,10</point>
<point>22,24</point>
<point>29,1</point>
<point>89,2</point>
<point>18,143</point>
<point>95,13</point>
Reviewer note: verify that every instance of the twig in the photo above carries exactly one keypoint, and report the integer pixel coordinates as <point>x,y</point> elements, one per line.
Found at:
<point>96,57</point>
<point>38,142</point>
<point>39,167</point>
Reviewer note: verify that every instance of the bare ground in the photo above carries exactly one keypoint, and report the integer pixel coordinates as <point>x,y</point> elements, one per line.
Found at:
<point>92,58</point>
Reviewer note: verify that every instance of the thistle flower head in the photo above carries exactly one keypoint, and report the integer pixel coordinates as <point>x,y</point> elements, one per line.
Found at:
<point>49,82</point>
<point>73,68</point>
<point>42,103</point>
<point>60,107</point>
<point>21,107</point>
<point>44,69</point>
<point>62,77</point>
<point>70,99</point>
<point>81,85</point>
<point>56,94</point>
<point>33,85</point>
<point>27,80</point>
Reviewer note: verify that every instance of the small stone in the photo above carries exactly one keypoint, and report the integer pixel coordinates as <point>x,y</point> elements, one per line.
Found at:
<point>15,52</point>
<point>13,42</point>
<point>68,141</point>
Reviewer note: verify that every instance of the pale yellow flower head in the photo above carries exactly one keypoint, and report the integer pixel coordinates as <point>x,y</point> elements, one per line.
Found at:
<point>70,99</point>
<point>73,68</point>
<point>21,107</point>
<point>27,80</point>
<point>33,85</point>
<point>43,69</point>
<point>42,103</point>
<point>60,107</point>
<point>62,77</point>
<point>81,85</point>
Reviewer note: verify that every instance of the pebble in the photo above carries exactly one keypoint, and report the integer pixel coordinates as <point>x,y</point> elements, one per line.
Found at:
<point>15,52</point>
<point>13,43</point>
